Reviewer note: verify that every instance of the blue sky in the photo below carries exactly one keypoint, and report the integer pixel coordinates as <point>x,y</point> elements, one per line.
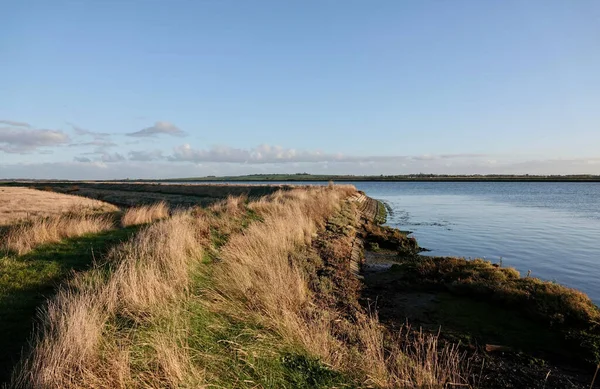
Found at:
<point>114,89</point>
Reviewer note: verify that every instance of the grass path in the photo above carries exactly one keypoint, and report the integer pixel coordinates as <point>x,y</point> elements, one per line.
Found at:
<point>27,281</point>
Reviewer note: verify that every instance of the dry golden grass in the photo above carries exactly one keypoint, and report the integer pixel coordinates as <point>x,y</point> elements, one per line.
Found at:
<point>145,214</point>
<point>18,203</point>
<point>81,343</point>
<point>24,237</point>
<point>126,328</point>
<point>257,279</point>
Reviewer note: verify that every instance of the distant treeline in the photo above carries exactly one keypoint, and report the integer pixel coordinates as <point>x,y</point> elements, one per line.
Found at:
<point>408,177</point>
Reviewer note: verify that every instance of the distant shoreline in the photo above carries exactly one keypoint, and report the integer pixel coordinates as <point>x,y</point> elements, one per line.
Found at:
<point>396,178</point>
<point>265,178</point>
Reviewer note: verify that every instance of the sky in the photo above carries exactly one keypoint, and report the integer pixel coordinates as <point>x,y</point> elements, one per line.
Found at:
<point>164,89</point>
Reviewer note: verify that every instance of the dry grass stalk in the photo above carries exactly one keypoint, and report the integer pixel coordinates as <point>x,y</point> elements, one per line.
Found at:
<point>145,214</point>
<point>233,205</point>
<point>24,237</point>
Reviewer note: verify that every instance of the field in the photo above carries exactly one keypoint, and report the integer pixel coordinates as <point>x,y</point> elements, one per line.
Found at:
<point>127,194</point>
<point>261,287</point>
<point>45,235</point>
<point>19,203</point>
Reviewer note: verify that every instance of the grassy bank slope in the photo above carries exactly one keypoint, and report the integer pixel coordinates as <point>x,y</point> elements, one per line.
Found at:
<point>243,294</point>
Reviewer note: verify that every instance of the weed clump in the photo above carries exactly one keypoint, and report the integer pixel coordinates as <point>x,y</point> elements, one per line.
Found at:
<point>390,239</point>
<point>145,214</point>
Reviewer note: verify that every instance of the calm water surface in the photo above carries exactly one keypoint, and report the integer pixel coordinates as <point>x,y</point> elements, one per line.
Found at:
<point>552,229</point>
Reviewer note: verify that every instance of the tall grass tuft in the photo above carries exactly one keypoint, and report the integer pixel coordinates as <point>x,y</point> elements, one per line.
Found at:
<point>145,214</point>
<point>24,237</point>
<point>121,330</point>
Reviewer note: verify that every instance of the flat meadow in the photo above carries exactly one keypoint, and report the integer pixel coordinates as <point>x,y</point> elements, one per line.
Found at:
<point>19,203</point>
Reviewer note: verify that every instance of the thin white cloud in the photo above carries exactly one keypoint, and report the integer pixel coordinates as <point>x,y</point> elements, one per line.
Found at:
<point>437,157</point>
<point>15,124</point>
<point>145,155</point>
<point>95,142</point>
<point>111,157</point>
<point>22,140</point>
<point>157,129</point>
<point>83,132</point>
<point>257,155</point>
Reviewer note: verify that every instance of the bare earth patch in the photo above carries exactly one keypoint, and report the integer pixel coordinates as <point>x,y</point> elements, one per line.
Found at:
<point>19,203</point>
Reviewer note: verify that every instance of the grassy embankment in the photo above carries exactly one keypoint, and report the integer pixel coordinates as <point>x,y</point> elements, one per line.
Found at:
<point>241,294</point>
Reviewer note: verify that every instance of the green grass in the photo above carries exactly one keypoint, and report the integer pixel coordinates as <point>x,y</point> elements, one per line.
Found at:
<point>242,354</point>
<point>381,216</point>
<point>391,239</point>
<point>239,352</point>
<point>232,352</point>
<point>27,281</point>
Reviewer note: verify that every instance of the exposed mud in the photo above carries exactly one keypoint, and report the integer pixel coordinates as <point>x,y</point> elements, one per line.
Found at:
<point>491,336</point>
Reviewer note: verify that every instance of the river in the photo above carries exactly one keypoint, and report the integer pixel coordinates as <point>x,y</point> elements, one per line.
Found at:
<point>552,229</point>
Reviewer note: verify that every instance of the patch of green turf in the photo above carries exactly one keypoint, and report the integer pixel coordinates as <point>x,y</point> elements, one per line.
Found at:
<point>26,282</point>
<point>243,354</point>
<point>382,213</point>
